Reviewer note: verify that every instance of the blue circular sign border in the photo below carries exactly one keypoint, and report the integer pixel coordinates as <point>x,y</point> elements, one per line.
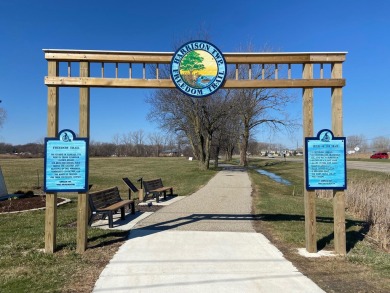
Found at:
<point>178,66</point>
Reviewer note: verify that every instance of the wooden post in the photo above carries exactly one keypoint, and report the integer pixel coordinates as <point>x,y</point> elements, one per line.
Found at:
<point>52,131</point>
<point>338,196</point>
<point>140,195</point>
<point>82,203</point>
<point>309,196</point>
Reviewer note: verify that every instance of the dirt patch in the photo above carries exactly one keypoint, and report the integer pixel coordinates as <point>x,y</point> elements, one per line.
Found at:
<point>96,259</point>
<point>39,201</point>
<point>146,208</point>
<point>26,203</point>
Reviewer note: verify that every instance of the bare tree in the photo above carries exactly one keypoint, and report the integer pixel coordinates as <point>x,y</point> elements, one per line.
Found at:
<point>260,106</point>
<point>381,144</point>
<point>126,144</point>
<point>116,140</point>
<point>198,119</point>
<point>138,142</point>
<point>157,141</point>
<point>359,141</point>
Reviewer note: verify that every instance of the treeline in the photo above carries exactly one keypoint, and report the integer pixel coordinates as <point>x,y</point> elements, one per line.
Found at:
<point>377,144</point>
<point>29,149</point>
<point>156,146</point>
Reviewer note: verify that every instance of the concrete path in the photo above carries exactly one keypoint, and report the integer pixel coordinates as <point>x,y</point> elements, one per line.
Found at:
<point>203,243</point>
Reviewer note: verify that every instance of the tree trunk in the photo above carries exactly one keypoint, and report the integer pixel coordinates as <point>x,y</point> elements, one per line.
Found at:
<point>194,150</point>
<point>203,165</point>
<point>207,150</point>
<point>244,147</point>
<point>229,153</point>
<point>217,149</point>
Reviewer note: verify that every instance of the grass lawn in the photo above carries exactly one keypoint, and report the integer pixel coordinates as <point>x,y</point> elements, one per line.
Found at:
<point>23,265</point>
<point>281,208</point>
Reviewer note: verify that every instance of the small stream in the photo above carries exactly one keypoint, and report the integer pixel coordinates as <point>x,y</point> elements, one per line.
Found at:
<point>273,176</point>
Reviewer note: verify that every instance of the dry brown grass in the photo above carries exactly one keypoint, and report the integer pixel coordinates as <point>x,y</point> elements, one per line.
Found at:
<point>369,200</point>
<point>360,156</point>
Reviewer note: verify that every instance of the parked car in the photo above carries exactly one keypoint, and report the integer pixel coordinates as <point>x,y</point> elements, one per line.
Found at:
<point>380,156</point>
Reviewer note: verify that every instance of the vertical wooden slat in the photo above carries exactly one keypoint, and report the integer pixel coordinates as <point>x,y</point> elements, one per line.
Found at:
<point>52,131</point>
<point>69,70</point>
<point>276,71</point>
<point>309,196</point>
<point>143,71</point>
<point>262,71</point>
<point>322,71</point>
<point>250,72</point>
<point>289,71</point>
<point>157,73</point>
<point>236,71</point>
<point>130,70</point>
<point>84,102</point>
<point>338,196</point>
<point>84,129</point>
<point>102,70</point>
<point>116,70</point>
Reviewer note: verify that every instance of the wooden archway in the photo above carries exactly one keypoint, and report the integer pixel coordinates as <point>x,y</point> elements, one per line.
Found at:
<point>305,62</point>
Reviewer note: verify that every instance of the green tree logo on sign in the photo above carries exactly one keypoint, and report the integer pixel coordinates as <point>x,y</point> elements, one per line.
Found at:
<point>192,62</point>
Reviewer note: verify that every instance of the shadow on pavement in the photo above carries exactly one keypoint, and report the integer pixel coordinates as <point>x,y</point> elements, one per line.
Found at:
<point>352,237</point>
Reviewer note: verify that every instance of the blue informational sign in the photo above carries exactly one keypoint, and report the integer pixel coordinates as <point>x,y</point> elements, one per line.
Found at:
<point>325,160</point>
<point>66,163</point>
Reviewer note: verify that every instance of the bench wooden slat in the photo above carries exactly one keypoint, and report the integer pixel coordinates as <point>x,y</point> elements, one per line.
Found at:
<point>161,189</point>
<point>107,202</point>
<point>117,205</point>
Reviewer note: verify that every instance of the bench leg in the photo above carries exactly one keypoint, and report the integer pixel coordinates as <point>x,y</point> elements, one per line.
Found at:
<point>90,219</point>
<point>110,222</point>
<point>132,207</point>
<point>157,195</point>
<point>122,213</point>
<point>165,194</point>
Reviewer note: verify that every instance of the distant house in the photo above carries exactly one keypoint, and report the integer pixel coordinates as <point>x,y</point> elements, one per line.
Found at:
<point>170,153</point>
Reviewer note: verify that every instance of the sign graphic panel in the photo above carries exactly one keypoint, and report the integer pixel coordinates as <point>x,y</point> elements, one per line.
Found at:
<point>66,163</point>
<point>325,161</point>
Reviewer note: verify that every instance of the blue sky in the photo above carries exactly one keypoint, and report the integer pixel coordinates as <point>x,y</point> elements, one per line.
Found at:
<point>358,27</point>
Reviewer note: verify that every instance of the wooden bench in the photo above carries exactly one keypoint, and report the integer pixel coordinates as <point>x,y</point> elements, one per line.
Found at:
<point>156,188</point>
<point>106,202</point>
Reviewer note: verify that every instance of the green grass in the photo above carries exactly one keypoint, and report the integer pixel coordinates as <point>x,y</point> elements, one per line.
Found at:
<point>282,207</point>
<point>26,174</point>
<point>24,267</point>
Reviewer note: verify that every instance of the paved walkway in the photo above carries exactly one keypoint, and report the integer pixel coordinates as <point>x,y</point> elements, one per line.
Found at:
<point>203,243</point>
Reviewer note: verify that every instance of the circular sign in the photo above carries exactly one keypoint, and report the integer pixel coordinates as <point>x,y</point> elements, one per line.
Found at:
<point>198,69</point>
<point>66,135</point>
